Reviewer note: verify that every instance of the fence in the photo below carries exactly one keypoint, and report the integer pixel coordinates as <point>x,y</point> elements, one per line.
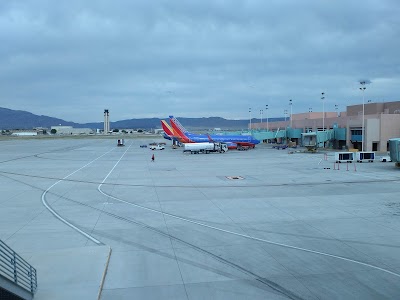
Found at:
<point>16,269</point>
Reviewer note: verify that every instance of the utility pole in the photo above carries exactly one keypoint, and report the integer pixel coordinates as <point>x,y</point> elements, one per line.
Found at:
<point>250,117</point>
<point>323,116</point>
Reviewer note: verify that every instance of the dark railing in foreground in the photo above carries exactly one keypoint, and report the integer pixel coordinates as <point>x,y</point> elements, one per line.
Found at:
<point>16,269</point>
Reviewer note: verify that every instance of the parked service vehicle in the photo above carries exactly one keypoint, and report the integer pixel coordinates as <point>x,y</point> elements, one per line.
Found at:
<point>344,157</point>
<point>279,147</point>
<point>157,147</point>
<point>242,148</point>
<point>120,142</point>
<point>365,156</point>
<point>385,158</point>
<point>349,157</point>
<point>195,148</point>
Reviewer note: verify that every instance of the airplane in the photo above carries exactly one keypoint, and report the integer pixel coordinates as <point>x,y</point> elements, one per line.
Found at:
<point>233,141</point>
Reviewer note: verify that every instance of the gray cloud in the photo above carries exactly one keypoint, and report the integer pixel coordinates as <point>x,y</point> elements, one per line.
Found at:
<point>72,59</point>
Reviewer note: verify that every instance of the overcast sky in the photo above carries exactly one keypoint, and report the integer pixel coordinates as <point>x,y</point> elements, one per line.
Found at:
<point>72,59</point>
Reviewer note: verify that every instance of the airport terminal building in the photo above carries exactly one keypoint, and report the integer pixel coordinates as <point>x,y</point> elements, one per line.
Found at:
<point>69,130</point>
<point>381,123</point>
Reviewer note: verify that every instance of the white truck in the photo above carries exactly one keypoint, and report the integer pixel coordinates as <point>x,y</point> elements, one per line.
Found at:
<point>385,158</point>
<point>195,148</point>
<point>157,147</point>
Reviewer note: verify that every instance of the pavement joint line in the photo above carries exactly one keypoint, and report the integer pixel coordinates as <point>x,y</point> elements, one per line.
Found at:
<point>61,218</point>
<point>252,237</point>
<point>103,278</point>
<point>372,180</point>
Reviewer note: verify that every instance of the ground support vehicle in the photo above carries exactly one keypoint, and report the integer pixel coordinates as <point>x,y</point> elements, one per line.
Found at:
<point>344,157</point>
<point>364,156</point>
<point>243,148</point>
<point>157,147</point>
<point>385,158</point>
<point>279,147</point>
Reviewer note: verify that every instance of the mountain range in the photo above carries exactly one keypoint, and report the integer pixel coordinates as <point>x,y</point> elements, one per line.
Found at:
<point>18,119</point>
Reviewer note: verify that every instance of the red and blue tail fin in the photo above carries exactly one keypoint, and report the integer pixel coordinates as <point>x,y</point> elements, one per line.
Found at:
<point>167,129</point>
<point>179,129</point>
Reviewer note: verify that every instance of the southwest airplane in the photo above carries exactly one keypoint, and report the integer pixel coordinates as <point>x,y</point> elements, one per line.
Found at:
<point>182,135</point>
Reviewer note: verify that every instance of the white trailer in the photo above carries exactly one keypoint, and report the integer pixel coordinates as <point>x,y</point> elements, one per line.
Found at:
<point>196,148</point>
<point>365,156</point>
<point>344,157</point>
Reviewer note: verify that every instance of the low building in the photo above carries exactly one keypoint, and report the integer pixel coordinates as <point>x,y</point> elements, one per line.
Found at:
<point>69,130</point>
<point>24,133</point>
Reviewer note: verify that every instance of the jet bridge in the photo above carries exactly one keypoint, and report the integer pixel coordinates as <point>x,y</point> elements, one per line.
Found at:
<point>394,148</point>
<point>309,140</point>
<point>265,135</point>
<point>317,139</point>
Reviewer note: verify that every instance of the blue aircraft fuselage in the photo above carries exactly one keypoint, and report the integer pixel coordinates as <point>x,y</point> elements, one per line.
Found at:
<point>199,138</point>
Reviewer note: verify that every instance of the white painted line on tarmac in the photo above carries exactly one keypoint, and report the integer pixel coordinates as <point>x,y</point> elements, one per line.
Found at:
<point>252,237</point>
<point>61,218</point>
<point>109,173</point>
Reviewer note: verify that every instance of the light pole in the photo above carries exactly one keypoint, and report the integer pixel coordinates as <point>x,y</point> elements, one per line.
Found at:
<point>285,112</point>
<point>362,88</point>
<point>336,109</point>
<point>290,103</point>
<point>309,116</point>
<point>266,112</point>
<point>261,113</point>
<point>323,111</point>
<point>250,117</point>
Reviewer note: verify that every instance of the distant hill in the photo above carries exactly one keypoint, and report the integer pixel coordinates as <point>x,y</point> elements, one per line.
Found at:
<point>18,119</point>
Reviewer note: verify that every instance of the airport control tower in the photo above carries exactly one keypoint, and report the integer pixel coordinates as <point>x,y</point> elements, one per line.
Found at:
<point>106,121</point>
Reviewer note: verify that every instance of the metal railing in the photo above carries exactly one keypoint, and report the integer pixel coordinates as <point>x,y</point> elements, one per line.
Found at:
<point>16,269</point>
